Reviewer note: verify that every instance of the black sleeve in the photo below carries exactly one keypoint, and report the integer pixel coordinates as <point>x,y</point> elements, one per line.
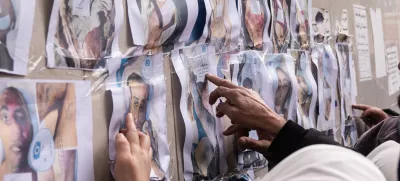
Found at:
<point>291,138</point>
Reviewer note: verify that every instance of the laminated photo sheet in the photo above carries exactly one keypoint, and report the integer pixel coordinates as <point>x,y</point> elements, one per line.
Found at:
<point>347,97</point>
<point>284,85</point>
<point>45,130</point>
<point>163,25</point>
<point>248,70</point>
<point>203,147</point>
<point>255,17</point>
<point>307,89</point>
<point>320,26</point>
<point>280,30</point>
<point>327,76</point>
<point>83,34</point>
<point>16,22</point>
<point>224,26</point>
<point>138,87</point>
<point>300,24</point>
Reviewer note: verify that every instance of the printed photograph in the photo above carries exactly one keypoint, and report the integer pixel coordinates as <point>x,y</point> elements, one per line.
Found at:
<point>307,89</point>
<point>139,88</point>
<point>84,34</point>
<point>320,25</point>
<point>343,52</point>
<point>15,36</point>
<point>280,25</point>
<point>220,24</point>
<point>301,27</point>
<point>255,18</point>
<point>205,149</point>
<point>27,109</point>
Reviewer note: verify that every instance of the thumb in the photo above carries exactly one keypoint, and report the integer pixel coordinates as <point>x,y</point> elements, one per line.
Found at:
<point>252,144</point>
<point>122,146</point>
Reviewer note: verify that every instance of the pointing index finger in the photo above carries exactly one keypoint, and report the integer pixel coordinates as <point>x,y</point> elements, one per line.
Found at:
<point>361,107</point>
<point>220,82</point>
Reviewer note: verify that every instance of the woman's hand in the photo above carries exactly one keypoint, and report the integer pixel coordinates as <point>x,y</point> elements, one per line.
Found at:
<point>133,154</point>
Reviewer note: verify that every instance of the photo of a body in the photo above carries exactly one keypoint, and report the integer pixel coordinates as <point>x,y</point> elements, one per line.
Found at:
<point>220,24</point>
<point>84,37</point>
<point>254,20</point>
<point>283,91</point>
<point>280,25</point>
<point>205,146</point>
<point>307,88</point>
<point>345,79</point>
<point>301,28</point>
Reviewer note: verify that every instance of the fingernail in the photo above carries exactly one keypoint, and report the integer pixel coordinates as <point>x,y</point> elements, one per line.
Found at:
<point>130,116</point>
<point>119,136</point>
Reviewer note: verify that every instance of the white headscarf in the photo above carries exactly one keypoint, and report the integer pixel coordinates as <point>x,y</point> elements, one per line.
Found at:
<point>325,162</point>
<point>387,157</point>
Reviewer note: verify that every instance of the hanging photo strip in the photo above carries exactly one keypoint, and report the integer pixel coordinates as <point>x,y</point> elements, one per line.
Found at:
<point>347,97</point>
<point>46,130</point>
<point>83,35</point>
<point>320,26</point>
<point>256,20</point>
<point>307,89</point>
<point>203,145</point>
<point>284,85</point>
<point>300,24</point>
<point>281,12</point>
<point>327,76</point>
<point>138,87</point>
<point>16,24</point>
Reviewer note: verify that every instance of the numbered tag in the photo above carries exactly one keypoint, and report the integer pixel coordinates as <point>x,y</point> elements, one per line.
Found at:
<point>41,151</point>
<point>255,7</point>
<point>81,7</point>
<point>147,69</point>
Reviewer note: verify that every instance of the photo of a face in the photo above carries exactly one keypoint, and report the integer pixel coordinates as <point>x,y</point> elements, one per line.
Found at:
<point>56,110</point>
<point>254,18</point>
<point>300,30</point>
<point>84,35</point>
<point>15,132</point>
<point>8,18</point>
<point>139,94</point>
<point>280,25</point>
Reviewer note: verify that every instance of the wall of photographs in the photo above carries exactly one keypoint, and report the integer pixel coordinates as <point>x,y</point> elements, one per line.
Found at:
<point>78,67</point>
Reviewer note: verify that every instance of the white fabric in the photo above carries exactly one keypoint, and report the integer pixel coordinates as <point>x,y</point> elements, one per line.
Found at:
<point>325,163</point>
<point>386,158</point>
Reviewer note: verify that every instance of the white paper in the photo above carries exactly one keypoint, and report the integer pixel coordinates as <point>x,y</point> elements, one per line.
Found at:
<point>379,45</point>
<point>320,25</point>
<point>392,58</point>
<point>16,27</point>
<point>300,27</point>
<point>56,119</point>
<point>362,42</point>
<point>87,40</point>
<point>138,87</point>
<point>343,25</point>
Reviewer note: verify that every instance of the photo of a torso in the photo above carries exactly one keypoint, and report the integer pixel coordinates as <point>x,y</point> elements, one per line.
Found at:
<point>307,92</point>
<point>138,87</point>
<point>256,19</point>
<point>15,35</point>
<point>81,34</point>
<point>301,25</point>
<point>280,25</point>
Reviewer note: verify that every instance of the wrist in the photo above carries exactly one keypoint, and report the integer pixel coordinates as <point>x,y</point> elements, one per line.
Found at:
<point>275,125</point>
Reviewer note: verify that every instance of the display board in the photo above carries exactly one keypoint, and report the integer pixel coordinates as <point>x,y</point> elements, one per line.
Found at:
<point>375,92</point>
